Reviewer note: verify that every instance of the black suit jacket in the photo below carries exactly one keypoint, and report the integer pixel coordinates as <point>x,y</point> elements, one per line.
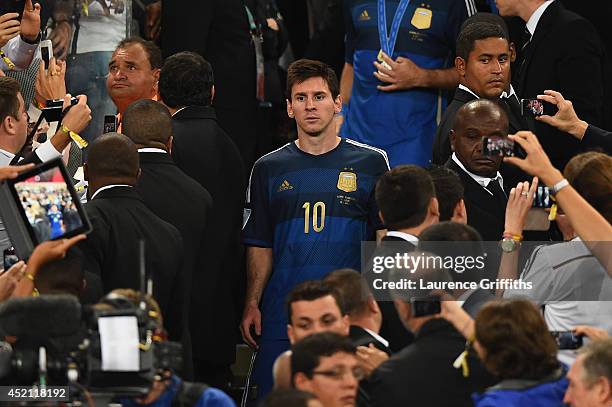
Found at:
<point>484,212</point>
<point>219,31</point>
<point>205,152</point>
<point>392,328</point>
<point>423,374</point>
<point>181,201</point>
<point>594,137</point>
<point>442,145</point>
<point>120,219</point>
<point>565,54</point>
<point>361,337</point>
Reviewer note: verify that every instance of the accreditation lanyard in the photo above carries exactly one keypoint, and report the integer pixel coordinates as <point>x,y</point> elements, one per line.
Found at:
<point>387,42</point>
<point>259,57</point>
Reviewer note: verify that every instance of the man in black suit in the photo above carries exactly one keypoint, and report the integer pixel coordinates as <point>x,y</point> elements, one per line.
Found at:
<point>120,221</point>
<point>407,202</point>
<point>169,192</point>
<point>485,195</point>
<point>562,51</point>
<point>483,62</point>
<point>464,241</point>
<point>206,153</point>
<point>359,303</point>
<point>422,374</point>
<point>223,38</point>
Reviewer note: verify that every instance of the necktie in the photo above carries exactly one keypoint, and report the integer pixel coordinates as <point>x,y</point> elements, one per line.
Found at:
<point>497,191</point>
<point>513,104</point>
<point>524,50</point>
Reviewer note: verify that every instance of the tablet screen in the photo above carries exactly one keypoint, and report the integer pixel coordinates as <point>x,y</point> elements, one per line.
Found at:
<point>49,203</point>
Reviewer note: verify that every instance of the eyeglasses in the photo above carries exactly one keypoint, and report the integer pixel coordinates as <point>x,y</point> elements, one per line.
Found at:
<point>338,374</point>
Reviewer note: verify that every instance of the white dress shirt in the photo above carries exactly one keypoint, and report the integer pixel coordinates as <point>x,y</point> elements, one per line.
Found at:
<point>405,236</point>
<point>533,21</point>
<point>483,181</point>
<point>108,187</point>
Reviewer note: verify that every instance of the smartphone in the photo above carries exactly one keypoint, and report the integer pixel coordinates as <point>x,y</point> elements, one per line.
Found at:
<point>110,124</point>
<point>46,52</point>
<point>542,198</point>
<point>10,258</point>
<point>53,110</point>
<point>12,6</point>
<point>536,107</point>
<point>425,306</point>
<point>501,146</point>
<point>567,339</point>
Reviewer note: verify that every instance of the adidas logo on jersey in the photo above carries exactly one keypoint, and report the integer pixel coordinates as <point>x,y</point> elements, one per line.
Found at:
<point>364,16</point>
<point>285,186</point>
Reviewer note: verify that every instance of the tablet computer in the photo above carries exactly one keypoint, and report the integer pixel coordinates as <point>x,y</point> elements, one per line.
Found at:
<point>41,204</point>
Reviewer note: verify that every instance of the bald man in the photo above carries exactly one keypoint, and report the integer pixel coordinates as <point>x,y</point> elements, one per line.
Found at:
<point>176,198</point>
<point>120,220</point>
<point>485,193</point>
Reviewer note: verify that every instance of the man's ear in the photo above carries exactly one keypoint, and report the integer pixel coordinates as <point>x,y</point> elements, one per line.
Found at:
<point>434,208</point>
<point>169,144</point>
<point>212,93</point>
<point>512,52</point>
<point>346,324</point>
<point>138,173</point>
<point>338,104</point>
<point>460,213</point>
<point>291,334</point>
<point>381,217</point>
<point>460,66</point>
<point>403,310</point>
<point>290,109</point>
<point>302,382</point>
<point>453,137</point>
<point>156,76</point>
<point>373,305</point>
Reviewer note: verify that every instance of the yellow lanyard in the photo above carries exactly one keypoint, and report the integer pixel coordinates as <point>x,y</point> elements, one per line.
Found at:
<point>7,61</point>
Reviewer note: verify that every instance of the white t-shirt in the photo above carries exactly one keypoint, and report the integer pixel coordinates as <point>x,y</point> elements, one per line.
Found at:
<point>99,31</point>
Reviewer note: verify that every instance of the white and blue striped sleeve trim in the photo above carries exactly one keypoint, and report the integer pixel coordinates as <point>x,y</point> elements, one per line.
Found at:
<point>378,150</point>
<point>248,191</point>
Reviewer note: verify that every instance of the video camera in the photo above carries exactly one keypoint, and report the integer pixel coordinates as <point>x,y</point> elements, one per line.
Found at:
<point>115,348</point>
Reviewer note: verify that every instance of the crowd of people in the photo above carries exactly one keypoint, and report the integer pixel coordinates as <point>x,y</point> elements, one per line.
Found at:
<point>254,212</point>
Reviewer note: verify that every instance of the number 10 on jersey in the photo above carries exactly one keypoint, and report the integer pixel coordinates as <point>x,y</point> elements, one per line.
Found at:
<point>318,216</point>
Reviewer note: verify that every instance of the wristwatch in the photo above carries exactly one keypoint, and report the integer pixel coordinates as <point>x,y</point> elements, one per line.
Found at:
<point>508,245</point>
<point>559,186</point>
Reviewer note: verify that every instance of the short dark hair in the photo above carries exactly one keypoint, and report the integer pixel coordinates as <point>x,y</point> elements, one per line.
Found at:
<point>304,69</point>
<point>62,276</point>
<point>147,123</point>
<point>403,196</point>
<point>516,340</point>
<point>353,290</point>
<point>9,103</point>
<point>312,290</point>
<point>450,232</point>
<point>474,32</point>
<point>307,353</point>
<point>449,190</point>
<point>490,18</point>
<point>186,79</point>
<point>113,155</point>
<point>153,52</point>
<point>288,397</point>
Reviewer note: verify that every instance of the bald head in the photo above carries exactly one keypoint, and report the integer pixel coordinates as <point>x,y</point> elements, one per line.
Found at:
<point>113,159</point>
<point>148,124</point>
<point>476,111</point>
<point>473,121</point>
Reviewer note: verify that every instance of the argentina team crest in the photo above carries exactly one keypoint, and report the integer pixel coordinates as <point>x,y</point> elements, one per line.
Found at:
<point>347,181</point>
<point>421,18</point>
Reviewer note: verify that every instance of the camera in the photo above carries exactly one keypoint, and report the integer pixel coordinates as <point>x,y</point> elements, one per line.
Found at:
<point>567,339</point>
<point>54,112</point>
<point>425,306</point>
<point>542,198</point>
<point>501,146</point>
<point>77,349</point>
<point>536,107</point>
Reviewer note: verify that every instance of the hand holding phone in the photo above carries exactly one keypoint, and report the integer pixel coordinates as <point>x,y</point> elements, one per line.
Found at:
<point>567,339</point>
<point>425,306</point>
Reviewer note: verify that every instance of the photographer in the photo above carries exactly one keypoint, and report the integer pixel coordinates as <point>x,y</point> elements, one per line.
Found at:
<point>568,121</point>
<point>587,222</point>
<point>19,40</point>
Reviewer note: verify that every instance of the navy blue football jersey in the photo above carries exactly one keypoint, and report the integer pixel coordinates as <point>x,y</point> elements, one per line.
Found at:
<point>313,211</point>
